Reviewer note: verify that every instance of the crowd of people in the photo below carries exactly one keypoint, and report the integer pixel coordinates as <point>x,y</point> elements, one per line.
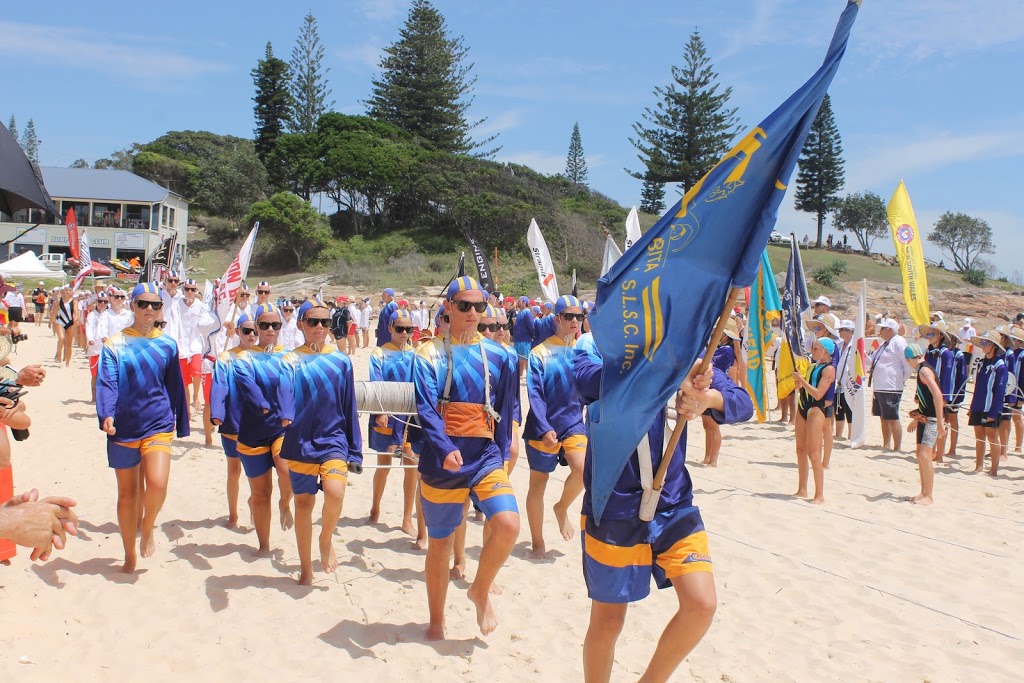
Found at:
<point>276,380</point>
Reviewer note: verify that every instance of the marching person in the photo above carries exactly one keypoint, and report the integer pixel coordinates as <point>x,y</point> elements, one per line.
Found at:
<point>140,403</point>
<point>291,336</point>
<point>323,444</point>
<point>193,318</point>
<point>928,420</point>
<point>987,403</point>
<point>960,372</point>
<point>94,339</point>
<point>554,430</point>
<point>623,553</point>
<point>268,407</point>
<point>226,408</point>
<point>464,386</point>
<point>387,310</point>
<point>523,332</point>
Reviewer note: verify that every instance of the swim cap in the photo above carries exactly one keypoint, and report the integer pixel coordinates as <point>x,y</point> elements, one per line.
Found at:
<point>305,307</point>
<point>912,351</point>
<point>464,284</point>
<point>400,315</point>
<point>145,288</point>
<point>490,312</point>
<point>828,344</point>
<point>567,301</point>
<point>244,318</point>
<point>389,291</point>
<point>267,308</point>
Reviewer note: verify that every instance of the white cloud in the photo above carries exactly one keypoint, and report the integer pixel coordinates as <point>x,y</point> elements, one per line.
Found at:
<point>499,123</point>
<point>381,10</point>
<point>362,55</point>
<point>152,66</point>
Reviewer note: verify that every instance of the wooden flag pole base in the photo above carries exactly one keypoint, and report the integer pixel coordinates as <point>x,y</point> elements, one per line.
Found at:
<point>649,503</point>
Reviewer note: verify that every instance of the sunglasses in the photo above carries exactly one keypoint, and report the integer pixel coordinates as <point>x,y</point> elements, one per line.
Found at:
<point>245,295</point>
<point>403,330</point>
<point>173,281</point>
<point>313,322</point>
<point>489,327</point>
<point>464,306</point>
<point>246,330</point>
<point>287,310</point>
<point>191,289</point>
<point>574,316</point>
<point>505,326</point>
<point>118,296</point>
<point>159,324</point>
<point>268,326</point>
<point>143,305</point>
<point>929,335</point>
<point>263,291</point>
<point>985,344</point>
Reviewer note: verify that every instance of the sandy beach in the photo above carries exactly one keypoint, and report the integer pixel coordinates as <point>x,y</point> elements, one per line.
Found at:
<point>866,588</point>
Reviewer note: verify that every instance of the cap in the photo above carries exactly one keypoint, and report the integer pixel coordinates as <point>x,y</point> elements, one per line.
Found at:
<point>889,323</point>
<point>461,284</point>
<point>822,300</point>
<point>547,304</point>
<point>41,282</point>
<point>827,344</point>
<point>524,299</point>
<point>815,325</point>
<point>244,318</point>
<point>190,282</point>
<point>566,301</point>
<point>101,296</point>
<point>938,314</point>
<point>990,336</point>
<point>912,351</point>
<point>144,288</point>
<point>389,291</point>
<point>264,283</point>
<point>403,302</point>
<point>400,315</point>
<point>306,306</point>
<point>847,325</point>
<point>267,308</point>
<point>490,312</point>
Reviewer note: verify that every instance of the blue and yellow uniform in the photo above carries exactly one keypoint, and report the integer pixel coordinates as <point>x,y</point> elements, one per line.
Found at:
<point>465,400</point>
<point>554,406</point>
<point>139,384</point>
<point>263,385</point>
<point>389,363</point>
<point>523,331</point>
<point>543,328</point>
<point>324,438</point>
<point>622,553</point>
<point>383,320</point>
<point>225,402</point>
<point>724,357</point>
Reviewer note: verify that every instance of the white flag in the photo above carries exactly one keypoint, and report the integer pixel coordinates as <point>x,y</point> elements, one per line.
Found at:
<point>236,272</point>
<point>84,259</point>
<point>854,380</point>
<point>632,228</point>
<point>542,260</point>
<point>611,254</point>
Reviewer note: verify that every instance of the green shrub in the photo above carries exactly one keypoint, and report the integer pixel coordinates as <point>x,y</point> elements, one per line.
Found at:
<point>837,266</point>
<point>825,277</point>
<point>975,277</point>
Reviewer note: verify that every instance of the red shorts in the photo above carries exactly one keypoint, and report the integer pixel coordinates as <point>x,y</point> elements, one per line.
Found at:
<point>191,368</point>
<point>416,335</point>
<point>352,327</point>
<point>7,548</point>
<point>207,386</point>
<point>94,365</point>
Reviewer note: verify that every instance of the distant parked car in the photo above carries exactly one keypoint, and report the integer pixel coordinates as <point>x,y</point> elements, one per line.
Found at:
<point>776,237</point>
<point>53,261</point>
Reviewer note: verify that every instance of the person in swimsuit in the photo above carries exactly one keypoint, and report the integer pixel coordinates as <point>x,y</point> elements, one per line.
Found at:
<point>65,317</point>
<point>814,410</point>
<point>928,420</point>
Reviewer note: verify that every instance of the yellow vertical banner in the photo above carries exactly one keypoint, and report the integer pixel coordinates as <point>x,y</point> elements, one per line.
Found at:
<point>907,240</point>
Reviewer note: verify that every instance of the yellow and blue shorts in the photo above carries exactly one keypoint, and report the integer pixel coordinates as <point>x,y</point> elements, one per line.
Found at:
<point>259,459</point>
<point>544,459</point>
<point>308,477</point>
<point>620,556</point>
<point>230,444</point>
<point>381,438</point>
<point>443,507</point>
<point>124,455</point>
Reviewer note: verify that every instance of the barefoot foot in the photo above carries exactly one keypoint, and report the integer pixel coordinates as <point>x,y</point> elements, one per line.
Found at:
<point>306,577</point>
<point>564,525</point>
<point>147,545</point>
<point>486,619</point>
<point>495,589</point>
<point>458,572</point>
<point>408,528</point>
<point>538,552</point>
<point>817,500</point>
<point>435,632</point>
<point>328,558</point>
<point>129,564</point>
<point>374,516</point>
<point>420,544</point>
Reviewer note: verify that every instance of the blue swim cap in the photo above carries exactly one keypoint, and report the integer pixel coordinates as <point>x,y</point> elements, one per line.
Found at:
<point>567,301</point>
<point>464,284</point>
<point>828,344</point>
<point>400,314</point>
<point>244,318</point>
<point>305,307</point>
<point>389,291</point>
<point>145,288</point>
<point>267,308</point>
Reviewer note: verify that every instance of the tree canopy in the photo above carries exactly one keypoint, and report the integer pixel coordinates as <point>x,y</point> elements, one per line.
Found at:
<point>820,175</point>
<point>272,112</point>
<point>308,83</point>
<point>862,214</point>
<point>292,224</point>
<point>963,238</point>
<point>576,162</point>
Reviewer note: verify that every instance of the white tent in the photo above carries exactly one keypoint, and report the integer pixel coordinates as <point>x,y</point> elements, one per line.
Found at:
<point>27,265</point>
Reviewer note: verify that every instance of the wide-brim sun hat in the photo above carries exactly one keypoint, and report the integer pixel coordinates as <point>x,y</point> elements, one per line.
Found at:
<point>812,324</point>
<point>990,336</point>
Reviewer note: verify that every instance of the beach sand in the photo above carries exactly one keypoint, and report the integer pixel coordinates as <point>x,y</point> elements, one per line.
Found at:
<point>867,588</point>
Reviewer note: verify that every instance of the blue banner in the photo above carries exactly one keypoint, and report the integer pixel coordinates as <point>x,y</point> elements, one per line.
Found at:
<point>658,305</point>
<point>764,307</point>
<point>795,299</point>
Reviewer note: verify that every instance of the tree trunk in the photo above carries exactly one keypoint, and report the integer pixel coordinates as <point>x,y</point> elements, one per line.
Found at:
<point>821,226</point>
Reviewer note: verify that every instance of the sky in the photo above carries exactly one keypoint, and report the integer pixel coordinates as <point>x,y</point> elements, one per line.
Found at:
<point>925,93</point>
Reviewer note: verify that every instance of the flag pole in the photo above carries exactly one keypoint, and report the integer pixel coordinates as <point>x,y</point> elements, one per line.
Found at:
<point>677,432</point>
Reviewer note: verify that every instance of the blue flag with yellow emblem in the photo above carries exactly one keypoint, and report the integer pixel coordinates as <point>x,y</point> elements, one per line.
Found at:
<point>764,307</point>
<point>658,304</point>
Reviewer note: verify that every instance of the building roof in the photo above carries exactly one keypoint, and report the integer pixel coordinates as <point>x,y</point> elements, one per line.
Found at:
<point>95,183</point>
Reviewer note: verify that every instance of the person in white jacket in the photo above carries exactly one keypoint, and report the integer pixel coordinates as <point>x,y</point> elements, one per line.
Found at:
<point>190,313</point>
<point>116,317</point>
<point>291,337</point>
<point>365,312</point>
<point>94,339</point>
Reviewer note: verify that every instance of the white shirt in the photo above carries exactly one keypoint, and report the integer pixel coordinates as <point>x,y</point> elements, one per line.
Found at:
<point>93,333</point>
<point>889,369</point>
<point>364,317</point>
<point>291,337</point>
<point>172,316</point>
<point>966,332</point>
<point>14,299</point>
<point>353,312</point>
<point>112,323</point>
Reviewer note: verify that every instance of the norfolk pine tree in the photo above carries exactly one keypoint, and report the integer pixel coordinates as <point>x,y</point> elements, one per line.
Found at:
<point>425,87</point>
<point>820,175</point>
<point>308,85</point>
<point>575,162</point>
<point>12,126</point>
<point>691,126</point>
<point>273,109</point>
<point>652,197</point>
<point>30,142</point>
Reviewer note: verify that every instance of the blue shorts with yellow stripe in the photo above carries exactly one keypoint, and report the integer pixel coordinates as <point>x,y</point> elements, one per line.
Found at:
<point>124,455</point>
<point>621,555</point>
<point>380,441</point>
<point>230,444</point>
<point>545,460</point>
<point>443,507</point>
<point>258,459</point>
<point>308,477</point>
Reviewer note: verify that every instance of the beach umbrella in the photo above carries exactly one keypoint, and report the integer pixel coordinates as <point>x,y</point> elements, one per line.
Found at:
<point>20,184</point>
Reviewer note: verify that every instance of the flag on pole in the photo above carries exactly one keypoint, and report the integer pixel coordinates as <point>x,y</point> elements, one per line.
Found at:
<point>72,224</point>
<point>235,274</point>
<point>765,307</point>
<point>611,255</point>
<point>854,374</point>
<point>460,270</point>
<point>907,240</point>
<point>671,285</point>
<point>632,228</point>
<point>795,299</point>
<point>575,288</point>
<point>542,261</point>
<point>484,268</point>
<point>84,259</point>
<point>784,369</point>
<point>159,261</point>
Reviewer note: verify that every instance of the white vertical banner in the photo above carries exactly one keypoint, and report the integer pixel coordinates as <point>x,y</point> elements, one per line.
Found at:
<point>611,254</point>
<point>235,274</point>
<point>632,228</point>
<point>542,261</point>
<point>855,376</point>
<point>84,259</point>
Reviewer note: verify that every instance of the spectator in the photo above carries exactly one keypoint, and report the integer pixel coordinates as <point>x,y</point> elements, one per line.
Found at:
<point>889,372</point>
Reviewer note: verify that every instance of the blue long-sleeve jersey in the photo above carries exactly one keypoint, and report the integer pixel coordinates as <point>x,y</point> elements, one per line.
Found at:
<point>479,455</point>
<point>517,411</point>
<point>138,383</point>
<point>678,490</point>
<point>724,357</point>
<point>522,328</point>
<point>554,403</point>
<point>959,377</point>
<point>544,328</point>
<point>383,321</point>
<point>940,359</point>
<point>1012,372</point>
<point>324,402</point>
<point>389,363</point>
<point>263,384</point>
<point>225,402</point>
<point>990,387</point>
